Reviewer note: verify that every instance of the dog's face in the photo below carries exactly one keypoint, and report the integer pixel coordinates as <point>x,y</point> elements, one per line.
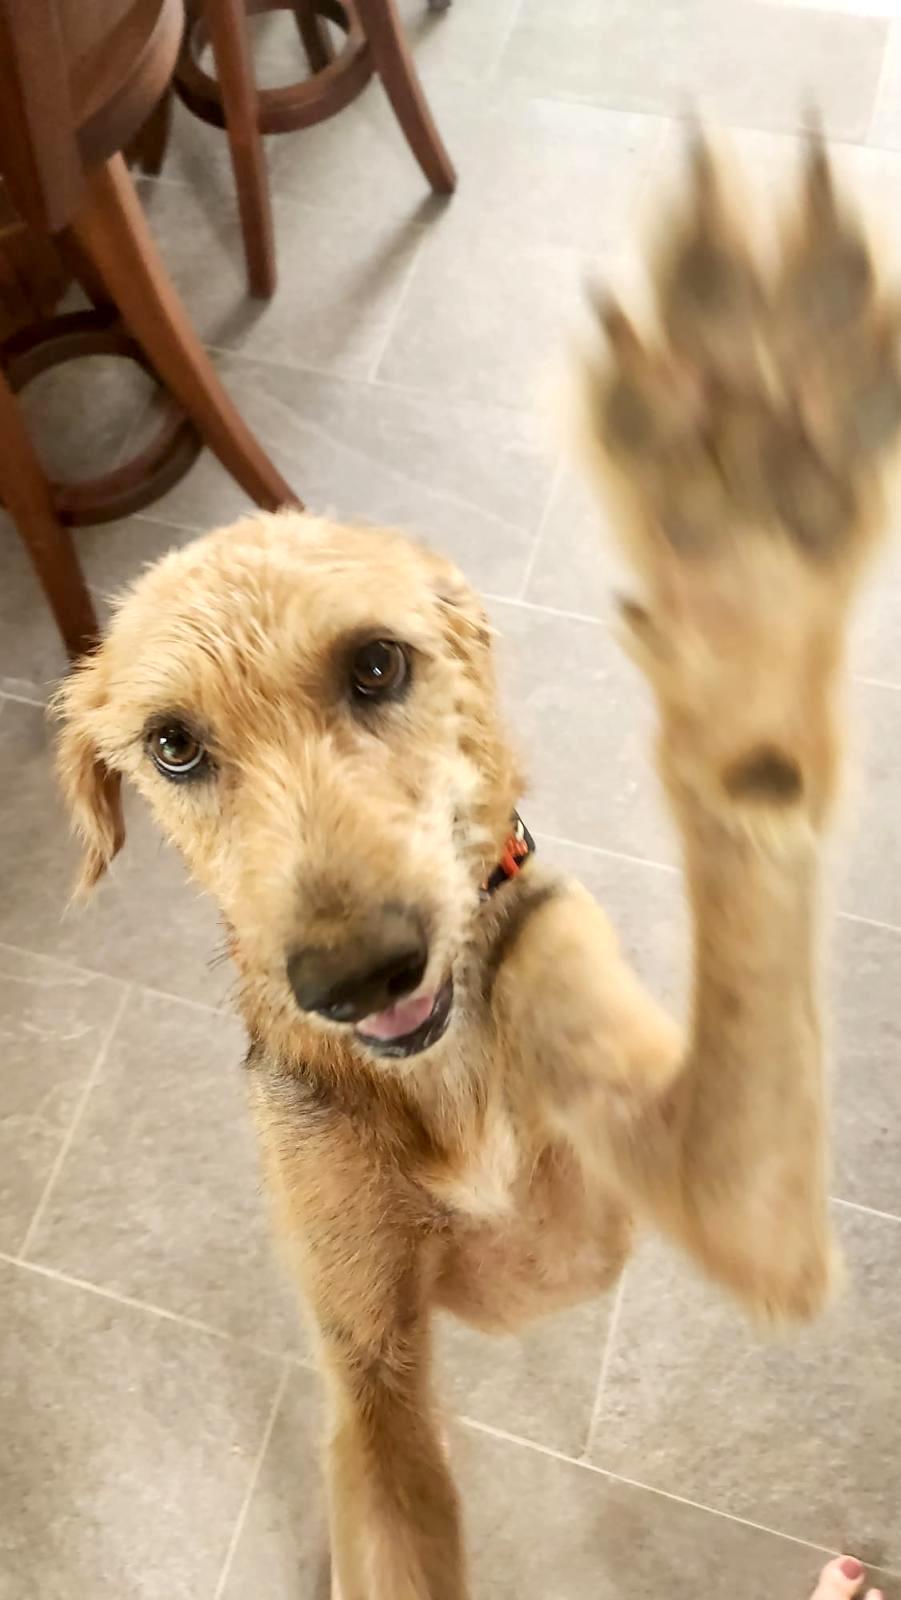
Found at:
<point>310,711</point>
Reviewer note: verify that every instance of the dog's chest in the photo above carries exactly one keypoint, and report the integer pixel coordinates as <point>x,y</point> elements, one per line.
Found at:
<point>526,1238</point>
<point>481,1180</point>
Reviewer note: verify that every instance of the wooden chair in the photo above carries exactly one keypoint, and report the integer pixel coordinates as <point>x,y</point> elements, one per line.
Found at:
<point>374,43</point>
<point>78,81</point>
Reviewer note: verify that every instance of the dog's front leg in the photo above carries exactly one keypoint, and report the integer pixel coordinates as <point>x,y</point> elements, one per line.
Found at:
<point>394,1512</point>
<point>364,1258</point>
<point>747,439</point>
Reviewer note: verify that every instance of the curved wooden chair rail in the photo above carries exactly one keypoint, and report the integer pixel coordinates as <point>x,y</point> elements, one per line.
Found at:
<point>79,80</point>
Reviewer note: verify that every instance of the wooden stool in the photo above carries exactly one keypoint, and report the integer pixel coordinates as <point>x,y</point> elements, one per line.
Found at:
<point>77,84</point>
<point>374,42</point>
<point>70,336</point>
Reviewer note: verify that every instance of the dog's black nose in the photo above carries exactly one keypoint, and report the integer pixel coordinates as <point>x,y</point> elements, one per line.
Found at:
<point>385,961</point>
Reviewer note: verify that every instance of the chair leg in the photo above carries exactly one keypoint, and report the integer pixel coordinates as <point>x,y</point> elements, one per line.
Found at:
<point>150,145</point>
<point>394,65</point>
<point>314,34</point>
<point>112,229</point>
<point>83,271</point>
<point>26,494</point>
<point>227,24</point>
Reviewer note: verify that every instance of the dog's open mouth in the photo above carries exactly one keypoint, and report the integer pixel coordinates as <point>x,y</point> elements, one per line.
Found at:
<point>410,1026</point>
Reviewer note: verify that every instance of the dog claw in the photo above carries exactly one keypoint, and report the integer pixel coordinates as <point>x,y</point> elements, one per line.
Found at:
<point>770,397</point>
<point>620,330</point>
<point>702,166</point>
<point>818,173</point>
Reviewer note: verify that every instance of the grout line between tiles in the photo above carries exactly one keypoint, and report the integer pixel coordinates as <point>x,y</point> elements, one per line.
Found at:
<point>134,990</point>
<point>251,1485</point>
<point>515,14</point>
<point>290,1363</point>
<point>422,390</point>
<point>166,521</point>
<point>281,201</point>
<point>626,107</point>
<point>633,1483</point>
<point>162,1313</point>
<point>415,391</point>
<point>606,1359</point>
<point>604,622</point>
<point>23,699</point>
<point>165,180</point>
<point>869,922</point>
<point>305,369</point>
<point>69,1135</point>
<point>867,1211</point>
<point>550,611</point>
<point>675,871</point>
<point>398,476</point>
<point>226,1009</point>
<point>537,542</point>
<point>109,977</point>
<point>393,316</point>
<point>875,683</point>
<point>611,855</point>
<point>517,600</point>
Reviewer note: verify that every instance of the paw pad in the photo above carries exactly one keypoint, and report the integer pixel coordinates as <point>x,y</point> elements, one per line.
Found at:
<point>766,775</point>
<point>771,397</point>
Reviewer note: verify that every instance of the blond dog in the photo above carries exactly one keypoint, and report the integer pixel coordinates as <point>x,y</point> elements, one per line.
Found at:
<point>463,1093</point>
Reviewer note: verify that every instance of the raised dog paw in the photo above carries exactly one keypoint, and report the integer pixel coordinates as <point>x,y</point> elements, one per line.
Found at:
<point>747,434</point>
<point>769,398</point>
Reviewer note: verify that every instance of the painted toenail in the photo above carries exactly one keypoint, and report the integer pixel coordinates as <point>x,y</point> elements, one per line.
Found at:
<point>851,1568</point>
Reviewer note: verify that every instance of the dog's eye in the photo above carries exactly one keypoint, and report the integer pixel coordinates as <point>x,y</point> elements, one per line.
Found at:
<point>379,670</point>
<point>174,751</point>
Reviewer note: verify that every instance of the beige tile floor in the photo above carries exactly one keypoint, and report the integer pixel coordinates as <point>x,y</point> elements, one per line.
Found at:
<point>159,1418</point>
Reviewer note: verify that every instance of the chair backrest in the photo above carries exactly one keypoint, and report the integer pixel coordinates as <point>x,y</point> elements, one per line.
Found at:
<point>78,78</point>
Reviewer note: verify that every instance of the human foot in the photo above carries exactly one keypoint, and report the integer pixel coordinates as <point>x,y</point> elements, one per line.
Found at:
<point>841,1579</point>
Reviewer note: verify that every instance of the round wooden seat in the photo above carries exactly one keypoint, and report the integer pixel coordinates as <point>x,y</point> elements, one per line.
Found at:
<point>78,81</point>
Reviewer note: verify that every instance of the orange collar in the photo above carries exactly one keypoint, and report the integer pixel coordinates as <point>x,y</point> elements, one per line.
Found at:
<point>519,846</point>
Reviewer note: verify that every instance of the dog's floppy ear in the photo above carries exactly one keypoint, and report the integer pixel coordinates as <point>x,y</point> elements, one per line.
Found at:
<point>90,787</point>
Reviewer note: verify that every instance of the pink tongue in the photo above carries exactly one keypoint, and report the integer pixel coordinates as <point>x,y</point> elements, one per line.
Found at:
<point>403,1018</point>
